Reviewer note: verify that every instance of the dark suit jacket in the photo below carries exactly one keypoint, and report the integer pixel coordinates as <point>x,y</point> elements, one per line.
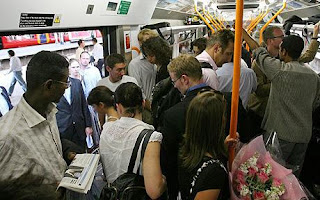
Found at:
<point>73,119</point>
<point>6,96</point>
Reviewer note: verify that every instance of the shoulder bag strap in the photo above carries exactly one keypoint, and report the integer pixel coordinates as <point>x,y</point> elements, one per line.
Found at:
<point>204,165</point>
<point>144,146</point>
<point>135,150</point>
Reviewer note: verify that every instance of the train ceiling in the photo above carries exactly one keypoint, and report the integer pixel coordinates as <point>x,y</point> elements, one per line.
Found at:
<point>226,8</point>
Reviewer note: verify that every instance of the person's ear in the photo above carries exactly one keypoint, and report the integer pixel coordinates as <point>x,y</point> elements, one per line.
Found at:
<point>143,103</point>
<point>216,48</point>
<point>48,84</point>
<point>108,69</point>
<point>119,108</point>
<point>101,105</point>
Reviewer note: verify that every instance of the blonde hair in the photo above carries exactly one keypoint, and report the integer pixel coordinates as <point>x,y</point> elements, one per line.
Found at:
<point>186,64</point>
<point>146,34</point>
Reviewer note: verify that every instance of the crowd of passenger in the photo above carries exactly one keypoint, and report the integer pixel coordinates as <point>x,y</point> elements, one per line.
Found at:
<point>185,101</point>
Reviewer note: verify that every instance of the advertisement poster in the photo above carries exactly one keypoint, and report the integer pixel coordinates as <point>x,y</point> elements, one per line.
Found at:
<point>126,41</point>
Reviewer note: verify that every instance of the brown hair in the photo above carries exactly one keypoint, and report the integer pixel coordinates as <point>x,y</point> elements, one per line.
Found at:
<point>201,135</point>
<point>222,37</point>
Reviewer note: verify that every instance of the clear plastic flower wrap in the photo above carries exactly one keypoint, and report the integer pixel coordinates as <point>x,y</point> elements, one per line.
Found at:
<point>256,175</point>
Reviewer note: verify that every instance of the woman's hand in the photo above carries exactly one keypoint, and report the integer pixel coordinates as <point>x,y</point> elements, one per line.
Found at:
<point>231,142</point>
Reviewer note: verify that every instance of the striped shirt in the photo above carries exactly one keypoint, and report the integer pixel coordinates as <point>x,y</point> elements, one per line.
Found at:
<point>294,91</point>
<point>30,146</point>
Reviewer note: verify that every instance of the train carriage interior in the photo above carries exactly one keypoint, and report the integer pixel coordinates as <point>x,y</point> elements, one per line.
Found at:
<point>30,26</point>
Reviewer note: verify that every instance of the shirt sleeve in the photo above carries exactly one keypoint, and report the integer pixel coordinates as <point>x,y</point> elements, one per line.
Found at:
<point>156,137</point>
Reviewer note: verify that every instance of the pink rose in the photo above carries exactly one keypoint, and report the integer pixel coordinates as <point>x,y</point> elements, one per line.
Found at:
<point>252,171</point>
<point>246,198</point>
<point>257,195</point>
<point>259,165</point>
<point>240,177</point>
<point>263,177</point>
<point>276,182</point>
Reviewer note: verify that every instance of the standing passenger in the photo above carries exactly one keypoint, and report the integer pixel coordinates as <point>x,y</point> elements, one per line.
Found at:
<point>141,69</point>
<point>90,77</point>
<point>185,73</point>
<point>90,74</point>
<point>118,139</point>
<point>15,67</point>
<point>73,116</point>
<point>31,152</point>
<point>204,143</point>
<point>272,37</point>
<point>157,51</point>
<point>80,49</point>
<point>116,65</point>
<point>293,96</point>
<point>97,53</point>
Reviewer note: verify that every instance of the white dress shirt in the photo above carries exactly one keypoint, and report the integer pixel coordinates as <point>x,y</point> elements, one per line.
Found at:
<point>248,80</point>
<point>97,52</point>
<point>15,64</point>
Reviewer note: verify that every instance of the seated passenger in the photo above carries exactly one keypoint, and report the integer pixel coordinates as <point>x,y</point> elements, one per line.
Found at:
<point>5,102</point>
<point>248,80</point>
<point>118,139</point>
<point>102,100</point>
<point>204,143</point>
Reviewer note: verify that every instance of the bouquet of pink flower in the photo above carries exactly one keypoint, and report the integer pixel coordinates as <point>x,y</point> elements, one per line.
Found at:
<point>255,175</point>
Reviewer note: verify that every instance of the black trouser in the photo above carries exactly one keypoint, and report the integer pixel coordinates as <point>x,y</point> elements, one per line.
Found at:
<point>100,66</point>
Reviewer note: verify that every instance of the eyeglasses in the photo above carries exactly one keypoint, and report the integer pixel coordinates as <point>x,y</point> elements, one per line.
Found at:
<point>174,81</point>
<point>67,84</point>
<point>280,36</point>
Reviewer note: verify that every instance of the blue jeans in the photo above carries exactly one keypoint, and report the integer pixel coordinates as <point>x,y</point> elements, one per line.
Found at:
<point>17,76</point>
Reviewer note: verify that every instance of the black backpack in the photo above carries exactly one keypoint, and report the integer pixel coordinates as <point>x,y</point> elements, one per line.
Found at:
<point>129,185</point>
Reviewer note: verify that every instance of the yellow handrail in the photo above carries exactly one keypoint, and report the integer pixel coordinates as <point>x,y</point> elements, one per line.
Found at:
<point>213,22</point>
<point>254,21</point>
<point>236,77</point>
<point>257,22</point>
<point>201,17</point>
<point>219,21</point>
<point>274,16</point>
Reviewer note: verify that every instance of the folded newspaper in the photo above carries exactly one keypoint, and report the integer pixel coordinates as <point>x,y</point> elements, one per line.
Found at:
<point>80,174</point>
